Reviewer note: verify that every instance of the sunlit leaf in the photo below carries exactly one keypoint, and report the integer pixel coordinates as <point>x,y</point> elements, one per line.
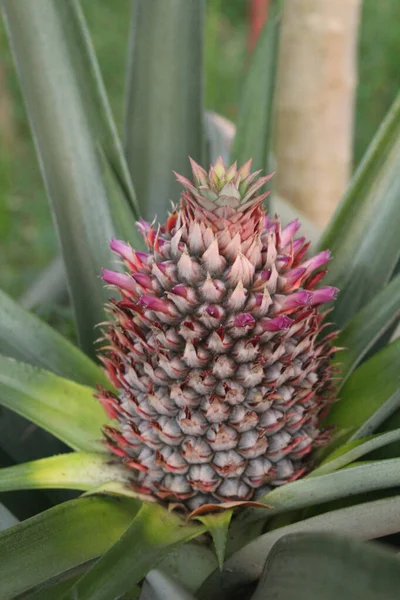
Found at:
<point>74,532</point>
<point>20,505</point>
<point>77,471</point>
<point>64,408</point>
<point>218,525</point>
<point>153,533</point>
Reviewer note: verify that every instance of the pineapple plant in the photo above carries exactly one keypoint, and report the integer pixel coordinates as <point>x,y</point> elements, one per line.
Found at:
<point>243,432</point>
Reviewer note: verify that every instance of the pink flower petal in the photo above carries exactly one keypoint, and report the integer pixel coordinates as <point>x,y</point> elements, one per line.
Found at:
<point>289,232</point>
<point>143,280</point>
<point>244,320</point>
<point>317,261</point>
<point>276,324</point>
<point>121,248</point>
<point>156,304</point>
<point>120,280</point>
<point>324,294</point>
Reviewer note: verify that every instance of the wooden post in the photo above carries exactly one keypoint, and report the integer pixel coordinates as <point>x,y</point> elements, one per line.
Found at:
<point>315,103</point>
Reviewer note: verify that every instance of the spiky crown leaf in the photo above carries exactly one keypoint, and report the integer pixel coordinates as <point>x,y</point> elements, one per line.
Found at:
<point>214,348</point>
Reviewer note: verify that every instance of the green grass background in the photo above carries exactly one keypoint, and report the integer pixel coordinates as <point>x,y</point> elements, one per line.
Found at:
<point>27,240</point>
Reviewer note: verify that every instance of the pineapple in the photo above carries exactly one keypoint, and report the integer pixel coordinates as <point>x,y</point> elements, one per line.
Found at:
<point>215,347</point>
<point>221,371</point>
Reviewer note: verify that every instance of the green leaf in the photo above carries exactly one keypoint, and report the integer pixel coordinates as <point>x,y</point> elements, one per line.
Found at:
<point>23,504</point>
<point>367,390</point>
<point>384,419</point>
<point>365,521</point>
<point>73,130</point>
<point>152,535</point>
<point>159,586</point>
<point>364,330</point>
<point>220,133</point>
<point>122,214</point>
<point>25,337</point>
<point>164,110</point>
<point>327,567</point>
<point>64,408</point>
<point>48,289</point>
<point>23,441</point>
<point>255,121</point>
<point>363,233</point>
<point>353,450</point>
<point>54,588</point>
<point>190,564</point>
<point>311,491</point>
<point>75,471</point>
<point>218,525</point>
<point>74,533</point>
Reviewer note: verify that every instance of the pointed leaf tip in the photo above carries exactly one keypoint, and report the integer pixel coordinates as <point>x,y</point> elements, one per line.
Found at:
<point>218,525</point>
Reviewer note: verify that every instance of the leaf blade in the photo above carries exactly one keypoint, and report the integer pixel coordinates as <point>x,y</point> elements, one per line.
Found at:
<point>371,204</point>
<point>63,91</point>
<point>25,337</point>
<point>324,488</point>
<point>373,383</point>
<point>253,137</point>
<point>190,564</point>
<point>83,471</point>
<point>367,326</point>
<point>220,133</point>
<point>159,586</point>
<point>72,535</point>
<point>306,565</point>
<point>218,525</point>
<point>64,408</point>
<point>382,419</point>
<point>365,521</point>
<point>164,119</point>
<point>152,534</point>
<point>352,450</point>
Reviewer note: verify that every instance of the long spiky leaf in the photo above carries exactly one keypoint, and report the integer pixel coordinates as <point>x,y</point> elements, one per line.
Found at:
<point>64,408</point>
<point>73,132</point>
<point>164,119</point>
<point>363,234</point>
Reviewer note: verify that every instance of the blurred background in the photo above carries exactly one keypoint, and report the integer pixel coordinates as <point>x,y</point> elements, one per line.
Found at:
<point>27,239</point>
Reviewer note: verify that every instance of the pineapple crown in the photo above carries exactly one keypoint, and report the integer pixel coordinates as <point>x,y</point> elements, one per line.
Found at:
<point>225,200</point>
<point>215,347</point>
<point>224,186</point>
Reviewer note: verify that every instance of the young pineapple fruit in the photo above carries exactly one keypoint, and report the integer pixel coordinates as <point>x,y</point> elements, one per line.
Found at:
<point>215,347</point>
